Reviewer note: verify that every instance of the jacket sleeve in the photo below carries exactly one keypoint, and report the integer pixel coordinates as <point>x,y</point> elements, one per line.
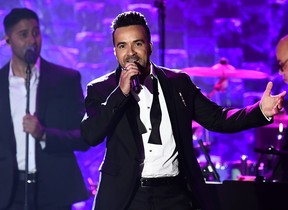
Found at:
<point>64,113</point>
<point>217,118</point>
<point>104,108</point>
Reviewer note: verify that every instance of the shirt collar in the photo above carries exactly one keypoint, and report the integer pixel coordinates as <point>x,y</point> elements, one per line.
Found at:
<point>35,70</point>
<point>152,70</point>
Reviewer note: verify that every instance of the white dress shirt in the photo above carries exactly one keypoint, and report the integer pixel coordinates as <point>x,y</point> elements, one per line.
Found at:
<point>18,100</point>
<point>160,160</point>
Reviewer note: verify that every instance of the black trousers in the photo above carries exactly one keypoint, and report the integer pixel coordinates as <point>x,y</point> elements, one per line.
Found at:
<point>18,201</point>
<point>166,197</point>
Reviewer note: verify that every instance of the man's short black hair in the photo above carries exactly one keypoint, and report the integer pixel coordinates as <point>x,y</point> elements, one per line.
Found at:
<point>16,15</point>
<point>130,18</point>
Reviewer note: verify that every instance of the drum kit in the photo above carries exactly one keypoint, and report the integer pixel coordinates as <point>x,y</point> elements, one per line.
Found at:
<point>243,168</point>
<point>224,70</point>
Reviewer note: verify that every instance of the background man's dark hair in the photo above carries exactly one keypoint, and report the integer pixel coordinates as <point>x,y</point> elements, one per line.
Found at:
<point>128,19</point>
<point>16,15</point>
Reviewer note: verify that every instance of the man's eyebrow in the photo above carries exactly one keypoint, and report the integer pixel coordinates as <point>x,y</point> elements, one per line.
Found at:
<point>139,40</point>
<point>21,31</point>
<point>120,43</point>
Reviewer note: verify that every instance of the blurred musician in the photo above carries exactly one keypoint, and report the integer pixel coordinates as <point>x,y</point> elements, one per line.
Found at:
<point>281,83</point>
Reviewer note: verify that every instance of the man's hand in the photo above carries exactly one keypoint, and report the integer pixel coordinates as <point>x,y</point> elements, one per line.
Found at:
<point>128,71</point>
<point>32,125</point>
<point>271,105</point>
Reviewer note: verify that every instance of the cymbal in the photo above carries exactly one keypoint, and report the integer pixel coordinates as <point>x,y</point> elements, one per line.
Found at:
<point>225,72</point>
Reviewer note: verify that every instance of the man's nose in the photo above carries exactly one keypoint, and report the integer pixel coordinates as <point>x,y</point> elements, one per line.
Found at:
<point>32,39</point>
<point>131,50</point>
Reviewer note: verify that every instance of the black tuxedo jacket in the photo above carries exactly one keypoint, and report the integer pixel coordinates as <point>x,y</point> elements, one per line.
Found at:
<point>60,108</point>
<point>113,116</point>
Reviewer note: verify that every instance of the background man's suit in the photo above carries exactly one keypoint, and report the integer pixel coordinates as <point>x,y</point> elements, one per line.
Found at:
<point>60,108</point>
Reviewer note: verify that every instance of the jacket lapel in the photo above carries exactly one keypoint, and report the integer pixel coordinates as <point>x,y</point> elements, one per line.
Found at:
<point>134,110</point>
<point>133,117</point>
<point>5,113</point>
<point>169,95</point>
<point>167,89</point>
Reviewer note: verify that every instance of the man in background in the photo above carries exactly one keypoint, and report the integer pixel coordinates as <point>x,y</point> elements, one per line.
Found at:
<point>51,123</point>
<point>280,170</point>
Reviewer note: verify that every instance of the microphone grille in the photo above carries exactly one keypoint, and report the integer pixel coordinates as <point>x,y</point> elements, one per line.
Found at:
<point>30,55</point>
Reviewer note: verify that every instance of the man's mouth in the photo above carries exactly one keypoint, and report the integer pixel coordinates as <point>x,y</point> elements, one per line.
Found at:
<point>133,59</point>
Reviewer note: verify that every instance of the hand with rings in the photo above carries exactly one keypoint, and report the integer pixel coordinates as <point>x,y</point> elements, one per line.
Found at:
<point>124,82</point>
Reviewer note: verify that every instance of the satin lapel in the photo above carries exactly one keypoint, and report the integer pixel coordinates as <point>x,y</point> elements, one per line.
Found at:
<point>169,95</point>
<point>5,111</point>
<point>133,116</point>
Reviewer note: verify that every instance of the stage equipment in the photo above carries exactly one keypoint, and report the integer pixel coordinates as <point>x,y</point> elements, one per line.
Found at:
<point>224,70</point>
<point>248,195</point>
<point>210,166</point>
<point>160,4</point>
<point>30,58</point>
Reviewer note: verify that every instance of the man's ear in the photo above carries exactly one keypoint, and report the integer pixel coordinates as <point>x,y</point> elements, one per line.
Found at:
<point>150,48</point>
<point>7,39</point>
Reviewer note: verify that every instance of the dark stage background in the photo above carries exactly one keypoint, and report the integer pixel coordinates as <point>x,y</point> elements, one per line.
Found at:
<point>197,34</point>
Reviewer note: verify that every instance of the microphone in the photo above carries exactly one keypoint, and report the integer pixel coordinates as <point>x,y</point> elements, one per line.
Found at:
<point>135,83</point>
<point>30,55</point>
